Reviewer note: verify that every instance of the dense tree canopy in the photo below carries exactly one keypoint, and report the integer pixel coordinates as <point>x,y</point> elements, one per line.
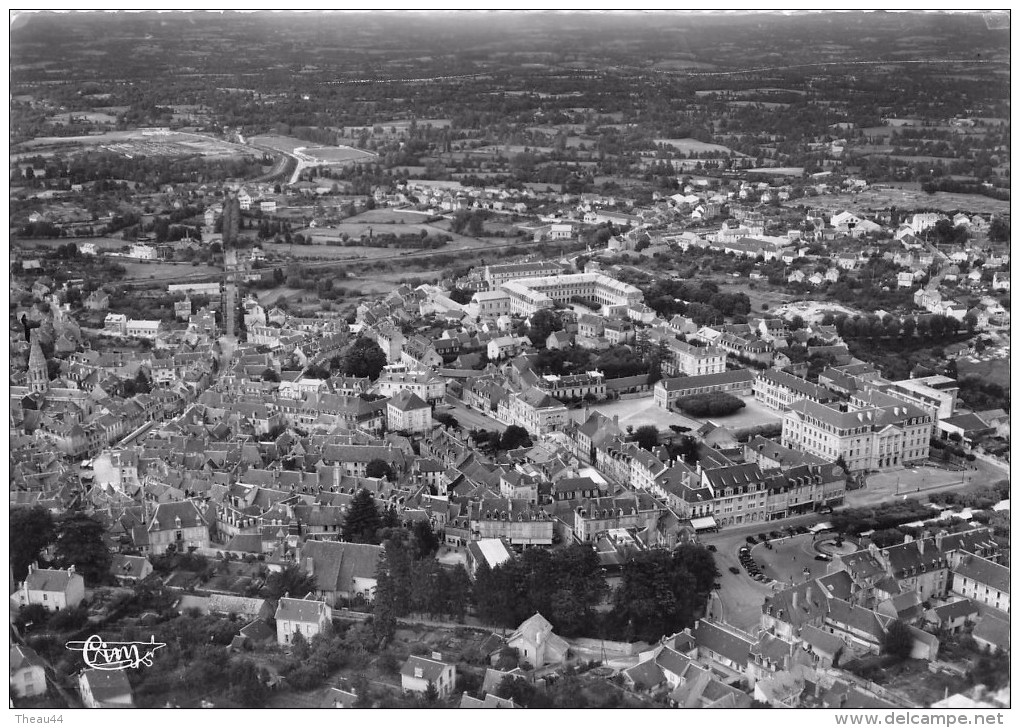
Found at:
<point>80,544</point>
<point>362,522</point>
<point>32,530</point>
<point>363,358</point>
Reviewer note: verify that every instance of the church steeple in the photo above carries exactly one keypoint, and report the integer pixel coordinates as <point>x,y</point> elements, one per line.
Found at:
<point>38,377</point>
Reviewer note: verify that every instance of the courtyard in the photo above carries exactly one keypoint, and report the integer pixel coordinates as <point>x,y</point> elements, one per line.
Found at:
<point>638,412</point>
<point>752,414</point>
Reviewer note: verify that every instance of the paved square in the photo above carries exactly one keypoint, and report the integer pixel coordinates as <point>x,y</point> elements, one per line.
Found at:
<point>637,412</point>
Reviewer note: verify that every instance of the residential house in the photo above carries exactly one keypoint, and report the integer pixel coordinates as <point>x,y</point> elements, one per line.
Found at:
<point>129,569</point>
<point>407,412</point>
<point>418,673</point>
<point>341,570</point>
<point>951,617</point>
<point>992,633</point>
<point>536,644</point>
<point>53,589</point>
<point>180,524</point>
<point>104,689</point>
<point>307,617</point>
<point>28,672</point>
<point>982,580</point>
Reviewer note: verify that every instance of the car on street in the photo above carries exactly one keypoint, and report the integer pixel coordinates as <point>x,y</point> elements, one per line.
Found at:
<point>750,539</point>
<point>734,570</point>
<point>823,557</point>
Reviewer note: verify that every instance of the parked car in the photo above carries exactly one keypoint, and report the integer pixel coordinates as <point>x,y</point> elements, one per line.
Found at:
<point>823,557</point>
<point>776,534</point>
<point>751,539</point>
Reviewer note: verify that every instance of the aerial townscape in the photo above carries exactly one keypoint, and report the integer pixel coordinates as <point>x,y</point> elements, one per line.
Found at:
<point>510,360</point>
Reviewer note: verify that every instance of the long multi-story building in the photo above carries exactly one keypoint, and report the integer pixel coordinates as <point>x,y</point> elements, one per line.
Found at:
<point>573,386</point>
<point>778,390</point>
<point>866,437</point>
<point>497,275</point>
<point>667,391</point>
<point>528,295</point>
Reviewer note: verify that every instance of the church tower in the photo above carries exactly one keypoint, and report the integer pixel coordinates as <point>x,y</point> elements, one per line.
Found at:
<point>38,378</point>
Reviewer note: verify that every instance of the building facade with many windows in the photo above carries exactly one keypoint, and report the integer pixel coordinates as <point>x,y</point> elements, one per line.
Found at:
<point>866,437</point>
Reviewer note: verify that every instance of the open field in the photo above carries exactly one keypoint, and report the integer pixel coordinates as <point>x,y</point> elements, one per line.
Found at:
<point>148,142</point>
<point>784,171</point>
<point>814,311</point>
<point>105,243</point>
<point>310,152</point>
<point>96,117</point>
<point>908,199</point>
<point>163,270</point>
<point>693,146</point>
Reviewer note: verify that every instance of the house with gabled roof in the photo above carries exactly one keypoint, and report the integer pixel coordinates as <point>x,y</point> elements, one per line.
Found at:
<point>724,646</point>
<point>105,689</point>
<point>307,617</point>
<point>982,580</point>
<point>992,633</point>
<point>53,589</point>
<point>28,672</point>
<point>341,570</point>
<point>181,525</point>
<point>951,617</point>
<point>418,673</point>
<point>536,643</point>
<point>129,569</point>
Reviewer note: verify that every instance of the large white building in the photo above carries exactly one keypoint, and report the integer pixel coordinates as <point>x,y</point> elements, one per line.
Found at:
<point>694,360</point>
<point>866,437</point>
<point>428,385</point>
<point>528,295</point>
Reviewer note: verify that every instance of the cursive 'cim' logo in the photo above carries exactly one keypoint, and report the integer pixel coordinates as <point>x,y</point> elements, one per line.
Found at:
<point>102,655</point>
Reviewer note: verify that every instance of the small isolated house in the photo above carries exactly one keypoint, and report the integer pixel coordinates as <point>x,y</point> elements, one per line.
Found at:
<point>536,644</point>
<point>307,617</point>
<point>419,672</point>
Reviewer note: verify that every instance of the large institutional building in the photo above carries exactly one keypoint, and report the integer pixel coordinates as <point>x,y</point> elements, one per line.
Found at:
<point>528,295</point>
<point>868,436</point>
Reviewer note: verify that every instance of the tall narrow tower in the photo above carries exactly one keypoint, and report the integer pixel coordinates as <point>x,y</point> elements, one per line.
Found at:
<point>38,377</point>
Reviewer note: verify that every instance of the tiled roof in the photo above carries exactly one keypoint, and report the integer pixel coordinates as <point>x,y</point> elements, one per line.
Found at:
<point>984,572</point>
<point>50,580</point>
<point>723,641</point>
<point>299,610</point>
<point>431,669</point>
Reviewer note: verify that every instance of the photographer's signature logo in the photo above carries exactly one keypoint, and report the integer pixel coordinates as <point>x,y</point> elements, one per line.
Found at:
<point>102,655</point>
